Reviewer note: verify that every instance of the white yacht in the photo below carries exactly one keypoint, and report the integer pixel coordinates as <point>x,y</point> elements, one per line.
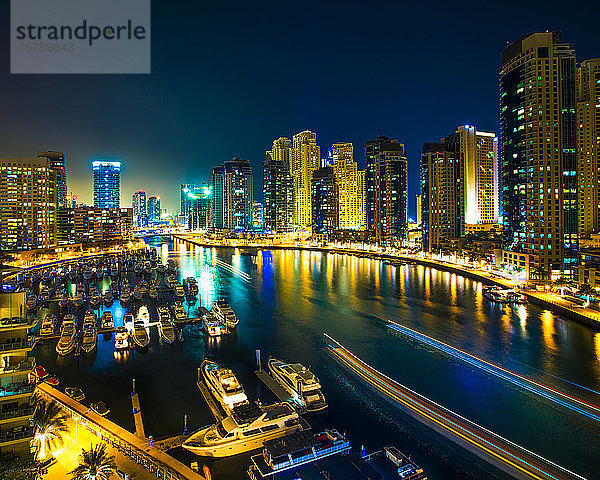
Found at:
<point>246,429</point>
<point>225,313</point>
<point>179,292</point>
<point>68,336</point>
<point>223,384</point>
<point>90,333</point>
<point>140,333</point>
<point>165,325</point>
<point>107,320</point>
<point>121,339</point>
<point>143,315</point>
<point>78,299</point>
<point>212,326</point>
<point>299,382</point>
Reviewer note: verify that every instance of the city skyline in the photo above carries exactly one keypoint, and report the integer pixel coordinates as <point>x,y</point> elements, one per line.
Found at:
<point>414,107</point>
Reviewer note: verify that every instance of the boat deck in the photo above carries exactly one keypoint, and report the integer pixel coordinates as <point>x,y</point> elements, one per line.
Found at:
<point>215,408</point>
<point>278,390</point>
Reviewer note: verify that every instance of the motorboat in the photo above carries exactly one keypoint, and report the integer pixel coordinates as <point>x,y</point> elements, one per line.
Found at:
<point>63,301</point>
<point>246,429</point>
<point>121,339</point>
<point>140,333</point>
<point>68,336</point>
<point>212,326</point>
<point>75,393</point>
<point>40,372</point>
<point>125,296</point>
<point>171,281</point>
<point>144,287</point>
<point>179,292</point>
<point>171,267</point>
<point>190,286</point>
<point>223,385</point>
<point>78,299</point>
<point>128,320</point>
<point>179,311</point>
<point>517,298</point>
<point>160,268</point>
<point>100,408</point>
<point>44,295</point>
<point>225,313</point>
<point>47,328</point>
<point>106,321</point>
<point>137,293</point>
<point>95,298</point>
<point>108,298</point>
<point>165,325</point>
<point>299,382</point>
<point>153,292</point>
<point>90,333</point>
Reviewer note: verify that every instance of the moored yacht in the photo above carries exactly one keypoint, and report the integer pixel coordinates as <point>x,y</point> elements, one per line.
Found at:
<point>90,333</point>
<point>165,325</point>
<point>299,382</point>
<point>140,333</point>
<point>212,326</point>
<point>68,336</point>
<point>223,311</point>
<point>121,339</point>
<point>179,292</point>
<point>246,429</point>
<point>223,384</point>
<point>179,311</point>
<point>107,320</point>
<point>47,328</point>
<point>143,315</point>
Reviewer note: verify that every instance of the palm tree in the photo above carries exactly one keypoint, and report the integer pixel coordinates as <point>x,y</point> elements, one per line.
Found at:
<point>50,423</point>
<point>94,464</point>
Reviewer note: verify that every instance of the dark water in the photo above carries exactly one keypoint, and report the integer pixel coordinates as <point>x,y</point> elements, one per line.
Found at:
<point>294,297</point>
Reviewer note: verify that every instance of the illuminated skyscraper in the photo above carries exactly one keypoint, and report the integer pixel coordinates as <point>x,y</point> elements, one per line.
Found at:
<point>386,189</point>
<point>350,181</point>
<point>138,203</point>
<point>278,190</point>
<point>306,158</point>
<point>324,201</point>
<point>539,159</point>
<point>28,213</point>
<point>107,183</point>
<point>153,209</point>
<point>57,162</point>
<point>200,199</point>
<point>258,220</point>
<point>233,195</point>
<point>588,146</point>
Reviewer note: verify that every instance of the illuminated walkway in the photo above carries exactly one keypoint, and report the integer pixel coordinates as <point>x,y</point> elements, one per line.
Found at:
<point>545,391</point>
<point>507,456</point>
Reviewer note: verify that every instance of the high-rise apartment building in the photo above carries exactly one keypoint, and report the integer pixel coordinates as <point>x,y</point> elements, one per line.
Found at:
<point>324,201</point>
<point>539,159</point>
<point>306,158</point>
<point>138,203</point>
<point>218,174</point>
<point>258,218</point>
<point>278,188</point>
<point>85,224</point>
<point>350,181</point>
<point>107,183</point>
<point>57,163</point>
<point>28,213</point>
<point>16,368</point>
<point>153,209</point>
<point>588,146</point>
<point>233,195</point>
<point>200,199</point>
<point>386,186</point>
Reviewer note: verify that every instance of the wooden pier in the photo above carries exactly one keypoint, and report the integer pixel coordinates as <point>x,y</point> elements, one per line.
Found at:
<point>215,408</point>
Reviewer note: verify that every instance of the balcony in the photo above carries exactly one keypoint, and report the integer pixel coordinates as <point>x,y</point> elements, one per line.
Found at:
<point>26,411</point>
<point>16,322</point>
<point>16,344</point>
<point>19,388</point>
<point>23,366</point>
<point>17,433</point>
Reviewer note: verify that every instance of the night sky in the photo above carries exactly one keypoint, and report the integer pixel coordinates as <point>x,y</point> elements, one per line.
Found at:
<point>227,78</point>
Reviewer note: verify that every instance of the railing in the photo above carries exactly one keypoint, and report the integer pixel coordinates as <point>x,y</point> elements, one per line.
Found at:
<point>5,347</point>
<point>22,412</point>
<point>24,366</point>
<point>16,389</point>
<point>16,322</point>
<point>25,432</point>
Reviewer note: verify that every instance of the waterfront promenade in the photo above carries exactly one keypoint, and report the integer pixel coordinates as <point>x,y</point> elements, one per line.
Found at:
<point>549,300</point>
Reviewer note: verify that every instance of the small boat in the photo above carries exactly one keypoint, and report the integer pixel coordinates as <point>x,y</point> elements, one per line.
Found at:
<point>51,380</point>
<point>47,328</point>
<point>75,393</point>
<point>144,287</point>
<point>31,302</point>
<point>90,333</point>
<point>128,321</point>
<point>160,268</point>
<point>165,325</point>
<point>153,292</point>
<point>300,382</point>
<point>190,286</point>
<point>40,372</point>
<point>517,298</point>
<point>68,336</point>
<point>63,301</point>
<point>137,293</point>
<point>171,267</point>
<point>171,281</point>
<point>108,298</point>
<point>212,326</point>
<point>100,408</point>
<point>225,313</point>
<point>140,333</point>
<point>44,295</point>
<point>147,267</point>
<point>88,274</point>
<point>107,320</point>
<point>138,269</point>
<point>125,296</point>
<point>223,384</point>
<point>121,340</point>
<point>179,292</point>
<point>95,298</point>
<point>179,311</point>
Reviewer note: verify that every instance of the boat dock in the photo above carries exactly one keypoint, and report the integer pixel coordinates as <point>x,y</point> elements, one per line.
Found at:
<point>498,451</point>
<point>281,394</point>
<point>215,408</point>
